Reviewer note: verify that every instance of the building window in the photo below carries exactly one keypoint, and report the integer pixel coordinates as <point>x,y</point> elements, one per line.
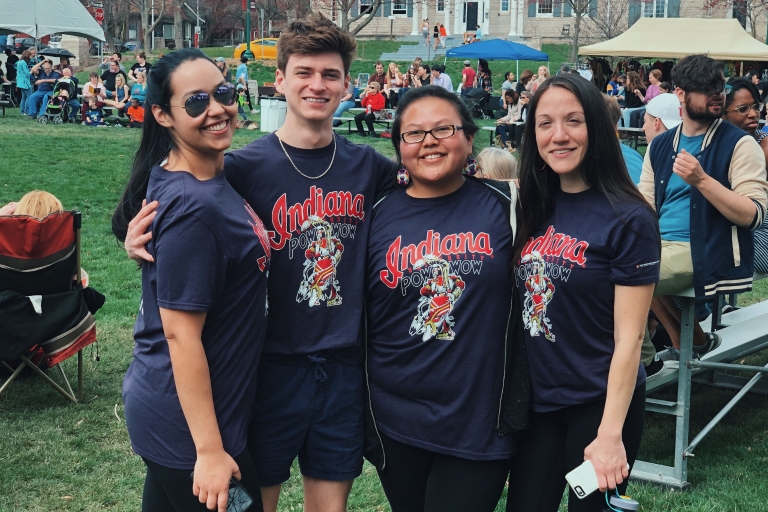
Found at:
<point>504,5</point>
<point>440,5</point>
<point>133,29</point>
<point>168,31</point>
<point>655,9</point>
<point>544,7</point>
<point>399,7</point>
<point>333,10</point>
<point>366,6</point>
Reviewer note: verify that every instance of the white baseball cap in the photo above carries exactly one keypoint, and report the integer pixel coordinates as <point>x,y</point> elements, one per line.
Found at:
<point>667,108</point>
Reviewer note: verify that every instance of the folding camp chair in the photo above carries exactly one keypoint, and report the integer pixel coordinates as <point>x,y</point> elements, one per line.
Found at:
<point>41,297</point>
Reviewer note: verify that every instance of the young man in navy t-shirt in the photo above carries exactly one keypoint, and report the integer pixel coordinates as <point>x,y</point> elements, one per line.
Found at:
<point>314,191</point>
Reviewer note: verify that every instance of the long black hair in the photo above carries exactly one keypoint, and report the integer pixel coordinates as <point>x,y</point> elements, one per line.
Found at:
<point>603,167</point>
<point>469,127</point>
<point>156,141</point>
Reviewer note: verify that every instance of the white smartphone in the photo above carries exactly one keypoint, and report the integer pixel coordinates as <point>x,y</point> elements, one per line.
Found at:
<point>583,479</point>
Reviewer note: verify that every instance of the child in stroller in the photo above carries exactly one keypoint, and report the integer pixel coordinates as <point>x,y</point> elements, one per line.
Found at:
<point>58,109</point>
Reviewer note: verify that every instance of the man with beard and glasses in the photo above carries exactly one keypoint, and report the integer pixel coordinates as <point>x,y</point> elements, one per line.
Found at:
<point>706,179</point>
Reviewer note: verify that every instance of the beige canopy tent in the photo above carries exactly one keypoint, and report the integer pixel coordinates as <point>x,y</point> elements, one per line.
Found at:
<point>674,38</point>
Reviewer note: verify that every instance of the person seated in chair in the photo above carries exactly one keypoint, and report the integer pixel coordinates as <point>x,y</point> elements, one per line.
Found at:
<point>373,100</point>
<point>707,182</point>
<point>45,77</point>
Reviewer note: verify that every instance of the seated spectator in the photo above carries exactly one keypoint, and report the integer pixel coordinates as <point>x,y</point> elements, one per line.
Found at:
<point>742,109</point>
<point>665,87</point>
<point>510,134</point>
<point>440,79</point>
<point>140,66</point>
<point>525,98</point>
<point>45,78</point>
<point>347,102</point>
<point>109,76</point>
<point>370,99</point>
<point>135,113</point>
<point>632,159</point>
<point>117,57</point>
<point>394,82</point>
<point>67,92</point>
<point>497,164</point>
<point>612,87</point>
<point>64,64</point>
<point>661,114</point>
<point>93,115</point>
<point>420,76</point>
<point>93,88</point>
<point>121,94</point>
<point>633,97</point>
<point>708,198</point>
<point>139,88</point>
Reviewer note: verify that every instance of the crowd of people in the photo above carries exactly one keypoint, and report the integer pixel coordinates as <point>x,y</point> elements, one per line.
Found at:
<point>305,296</point>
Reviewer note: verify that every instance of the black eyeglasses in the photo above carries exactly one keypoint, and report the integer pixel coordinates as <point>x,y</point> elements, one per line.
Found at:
<point>441,132</point>
<point>744,109</point>
<point>197,104</point>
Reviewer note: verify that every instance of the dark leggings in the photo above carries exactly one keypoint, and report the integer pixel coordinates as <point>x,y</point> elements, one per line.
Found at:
<point>510,132</point>
<point>168,490</point>
<point>369,119</point>
<point>417,480</point>
<point>554,444</point>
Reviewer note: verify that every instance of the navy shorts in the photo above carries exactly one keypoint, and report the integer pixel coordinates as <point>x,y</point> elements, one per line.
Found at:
<point>311,407</point>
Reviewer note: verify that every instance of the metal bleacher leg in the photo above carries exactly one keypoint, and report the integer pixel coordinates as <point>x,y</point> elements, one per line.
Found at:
<point>675,477</point>
<point>80,375</point>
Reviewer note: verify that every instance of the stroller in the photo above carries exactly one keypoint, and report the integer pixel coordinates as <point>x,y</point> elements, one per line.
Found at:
<point>57,111</point>
<point>476,101</point>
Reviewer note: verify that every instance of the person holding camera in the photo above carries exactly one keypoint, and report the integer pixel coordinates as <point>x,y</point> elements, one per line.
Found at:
<point>372,101</point>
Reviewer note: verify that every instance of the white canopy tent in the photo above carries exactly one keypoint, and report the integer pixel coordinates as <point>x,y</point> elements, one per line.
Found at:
<point>40,18</point>
<point>674,38</point>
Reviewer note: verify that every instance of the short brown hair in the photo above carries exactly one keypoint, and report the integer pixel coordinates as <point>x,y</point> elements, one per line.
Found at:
<point>314,35</point>
<point>655,74</point>
<point>614,111</point>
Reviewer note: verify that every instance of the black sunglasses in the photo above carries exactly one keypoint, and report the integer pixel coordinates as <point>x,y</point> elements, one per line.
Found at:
<point>197,104</point>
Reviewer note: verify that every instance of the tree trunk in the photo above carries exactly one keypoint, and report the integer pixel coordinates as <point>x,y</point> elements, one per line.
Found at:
<point>576,32</point>
<point>178,34</point>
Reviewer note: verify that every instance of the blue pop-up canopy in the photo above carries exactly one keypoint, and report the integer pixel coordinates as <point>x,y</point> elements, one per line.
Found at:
<point>496,49</point>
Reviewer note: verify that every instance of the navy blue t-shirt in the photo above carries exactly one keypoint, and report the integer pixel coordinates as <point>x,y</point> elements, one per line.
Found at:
<point>318,229</point>
<point>211,254</point>
<point>566,280</point>
<point>438,301</point>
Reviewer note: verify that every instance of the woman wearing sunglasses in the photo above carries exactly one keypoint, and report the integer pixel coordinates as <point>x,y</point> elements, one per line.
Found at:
<point>441,327</point>
<point>742,108</point>
<point>189,390</point>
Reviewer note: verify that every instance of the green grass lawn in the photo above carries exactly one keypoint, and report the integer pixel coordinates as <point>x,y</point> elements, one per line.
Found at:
<point>56,456</point>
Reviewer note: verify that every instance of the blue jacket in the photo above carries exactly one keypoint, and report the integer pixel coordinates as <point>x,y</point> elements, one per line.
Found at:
<point>722,252</point>
<point>22,75</point>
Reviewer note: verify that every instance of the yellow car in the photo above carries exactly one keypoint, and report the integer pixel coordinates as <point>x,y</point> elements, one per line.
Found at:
<point>267,45</point>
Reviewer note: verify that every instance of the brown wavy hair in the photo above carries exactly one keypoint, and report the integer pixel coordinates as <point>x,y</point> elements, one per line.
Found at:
<point>312,36</point>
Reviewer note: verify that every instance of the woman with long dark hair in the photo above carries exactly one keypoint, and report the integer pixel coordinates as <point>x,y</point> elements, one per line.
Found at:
<point>742,108</point>
<point>484,80</point>
<point>587,257</point>
<point>633,97</point>
<point>441,320</point>
<point>190,388</point>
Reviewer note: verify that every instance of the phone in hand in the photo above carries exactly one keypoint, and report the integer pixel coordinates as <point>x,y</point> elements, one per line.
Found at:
<point>239,500</point>
<point>583,479</point>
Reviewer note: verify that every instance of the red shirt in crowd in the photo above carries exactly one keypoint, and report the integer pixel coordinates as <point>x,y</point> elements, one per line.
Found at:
<point>376,101</point>
<point>469,77</point>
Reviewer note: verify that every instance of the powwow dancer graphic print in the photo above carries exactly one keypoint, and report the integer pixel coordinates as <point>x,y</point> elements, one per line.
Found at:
<point>438,296</point>
<point>538,293</point>
<point>323,255</point>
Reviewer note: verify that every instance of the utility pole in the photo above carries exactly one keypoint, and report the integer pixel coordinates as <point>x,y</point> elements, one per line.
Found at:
<point>248,53</point>
<point>197,24</point>
<point>153,24</point>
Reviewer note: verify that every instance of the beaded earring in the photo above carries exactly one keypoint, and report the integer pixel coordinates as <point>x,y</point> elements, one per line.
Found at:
<point>471,167</point>
<point>403,178</point>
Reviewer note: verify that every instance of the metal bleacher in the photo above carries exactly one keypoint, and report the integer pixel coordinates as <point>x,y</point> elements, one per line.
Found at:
<point>743,332</point>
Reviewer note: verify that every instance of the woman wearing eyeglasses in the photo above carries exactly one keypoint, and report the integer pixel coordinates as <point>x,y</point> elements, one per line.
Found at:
<point>742,109</point>
<point>441,328</point>
<point>188,393</point>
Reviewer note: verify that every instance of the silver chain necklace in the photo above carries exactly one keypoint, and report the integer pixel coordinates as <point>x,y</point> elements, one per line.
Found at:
<point>277,133</point>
